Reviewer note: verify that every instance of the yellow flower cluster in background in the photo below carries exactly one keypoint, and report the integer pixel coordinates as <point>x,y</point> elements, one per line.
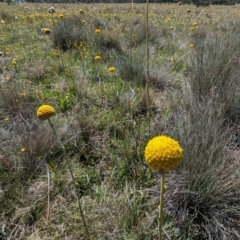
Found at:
<point>44,112</point>
<point>14,60</point>
<point>163,153</point>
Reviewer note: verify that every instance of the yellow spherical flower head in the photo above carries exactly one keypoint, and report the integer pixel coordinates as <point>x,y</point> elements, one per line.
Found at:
<point>97,31</point>
<point>45,112</point>
<point>97,58</point>
<point>163,153</point>
<point>112,69</point>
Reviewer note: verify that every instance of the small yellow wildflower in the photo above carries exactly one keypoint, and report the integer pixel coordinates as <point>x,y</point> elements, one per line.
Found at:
<point>81,11</point>
<point>23,149</point>
<point>6,119</point>
<point>44,112</point>
<point>171,28</point>
<point>61,15</point>
<point>194,24</point>
<point>14,60</point>
<point>191,46</point>
<point>163,153</point>
<point>97,58</point>
<point>97,31</point>
<point>112,69</point>
<point>83,22</point>
<point>192,28</point>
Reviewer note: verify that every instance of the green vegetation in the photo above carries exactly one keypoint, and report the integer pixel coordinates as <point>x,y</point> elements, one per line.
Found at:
<point>90,65</point>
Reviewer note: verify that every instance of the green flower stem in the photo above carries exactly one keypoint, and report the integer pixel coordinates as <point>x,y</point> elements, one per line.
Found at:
<point>160,220</point>
<point>73,180</point>
<point>48,209</point>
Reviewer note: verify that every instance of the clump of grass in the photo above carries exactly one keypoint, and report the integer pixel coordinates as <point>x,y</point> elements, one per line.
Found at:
<point>68,32</point>
<point>16,101</point>
<point>207,179</point>
<point>131,68</point>
<point>214,70</point>
<point>108,42</point>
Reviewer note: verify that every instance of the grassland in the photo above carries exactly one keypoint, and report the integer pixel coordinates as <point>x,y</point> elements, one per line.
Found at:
<point>102,120</point>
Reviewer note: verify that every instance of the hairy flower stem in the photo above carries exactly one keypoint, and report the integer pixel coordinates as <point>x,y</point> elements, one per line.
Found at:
<point>73,180</point>
<point>147,68</point>
<point>160,220</point>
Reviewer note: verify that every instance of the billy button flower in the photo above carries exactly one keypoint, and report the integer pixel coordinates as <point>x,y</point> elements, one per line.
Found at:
<point>23,149</point>
<point>163,153</point>
<point>112,69</point>
<point>97,58</point>
<point>97,31</point>
<point>44,112</point>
